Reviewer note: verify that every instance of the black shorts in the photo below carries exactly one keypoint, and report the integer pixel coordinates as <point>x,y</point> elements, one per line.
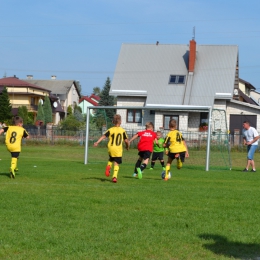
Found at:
<point>118,160</point>
<point>157,155</point>
<point>182,155</point>
<point>15,154</point>
<point>145,154</point>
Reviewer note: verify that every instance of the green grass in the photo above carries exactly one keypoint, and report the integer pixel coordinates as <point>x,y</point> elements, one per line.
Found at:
<point>63,209</point>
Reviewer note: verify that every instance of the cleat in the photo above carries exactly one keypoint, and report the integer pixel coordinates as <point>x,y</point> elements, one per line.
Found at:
<point>151,169</point>
<point>140,175</point>
<point>135,175</point>
<point>107,172</point>
<point>16,170</point>
<point>12,173</point>
<point>253,170</point>
<point>114,180</point>
<point>245,170</point>
<point>166,179</point>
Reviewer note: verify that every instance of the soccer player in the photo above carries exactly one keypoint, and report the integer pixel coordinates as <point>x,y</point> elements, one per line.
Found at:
<point>117,135</point>
<point>145,148</point>
<point>177,147</point>
<point>158,151</point>
<point>250,138</point>
<point>13,139</point>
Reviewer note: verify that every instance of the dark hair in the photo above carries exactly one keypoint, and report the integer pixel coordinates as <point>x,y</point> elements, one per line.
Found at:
<point>172,123</point>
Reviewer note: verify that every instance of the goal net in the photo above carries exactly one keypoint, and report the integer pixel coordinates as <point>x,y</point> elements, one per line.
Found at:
<point>203,128</point>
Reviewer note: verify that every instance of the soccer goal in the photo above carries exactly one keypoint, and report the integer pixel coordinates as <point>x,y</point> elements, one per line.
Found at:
<point>203,128</point>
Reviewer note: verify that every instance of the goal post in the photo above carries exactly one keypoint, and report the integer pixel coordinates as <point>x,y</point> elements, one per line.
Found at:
<point>153,113</point>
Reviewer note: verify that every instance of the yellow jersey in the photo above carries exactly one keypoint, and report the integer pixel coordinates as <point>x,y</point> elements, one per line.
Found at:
<point>13,137</point>
<point>116,136</point>
<point>175,141</point>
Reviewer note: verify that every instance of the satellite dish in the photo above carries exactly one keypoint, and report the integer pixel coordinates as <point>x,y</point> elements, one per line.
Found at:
<point>235,92</point>
<point>55,104</point>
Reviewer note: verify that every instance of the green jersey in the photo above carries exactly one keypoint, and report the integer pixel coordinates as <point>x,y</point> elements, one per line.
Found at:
<point>159,148</point>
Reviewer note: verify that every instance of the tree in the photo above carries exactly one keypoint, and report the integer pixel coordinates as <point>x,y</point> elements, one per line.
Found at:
<point>69,110</point>
<point>5,106</point>
<point>47,110</point>
<point>105,117</point>
<point>96,91</point>
<point>40,113</point>
<point>23,113</point>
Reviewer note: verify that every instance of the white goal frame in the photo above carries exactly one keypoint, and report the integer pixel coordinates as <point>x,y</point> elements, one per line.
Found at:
<point>154,107</point>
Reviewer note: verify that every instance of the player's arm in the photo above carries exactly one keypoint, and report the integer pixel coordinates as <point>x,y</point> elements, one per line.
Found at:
<point>99,140</point>
<point>187,152</point>
<point>166,141</point>
<point>1,131</point>
<point>133,138</point>
<point>25,134</point>
<point>127,144</point>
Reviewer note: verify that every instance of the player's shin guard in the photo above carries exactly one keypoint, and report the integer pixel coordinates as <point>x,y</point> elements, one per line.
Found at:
<point>167,169</point>
<point>13,163</point>
<point>116,170</point>
<point>143,166</point>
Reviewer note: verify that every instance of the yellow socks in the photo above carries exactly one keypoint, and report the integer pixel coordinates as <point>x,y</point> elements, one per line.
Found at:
<point>116,170</point>
<point>167,169</point>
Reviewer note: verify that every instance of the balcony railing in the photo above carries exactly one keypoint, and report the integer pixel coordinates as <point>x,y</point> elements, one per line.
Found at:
<point>30,108</point>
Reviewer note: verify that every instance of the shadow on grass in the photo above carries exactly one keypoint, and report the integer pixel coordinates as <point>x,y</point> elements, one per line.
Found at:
<point>5,174</point>
<point>220,245</point>
<point>98,178</point>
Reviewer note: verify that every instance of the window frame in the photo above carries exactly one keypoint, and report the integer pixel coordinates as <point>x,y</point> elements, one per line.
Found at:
<point>176,117</point>
<point>177,79</point>
<point>135,111</point>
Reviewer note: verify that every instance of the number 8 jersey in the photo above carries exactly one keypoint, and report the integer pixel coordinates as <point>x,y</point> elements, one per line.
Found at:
<point>13,138</point>
<point>116,137</point>
<point>175,141</point>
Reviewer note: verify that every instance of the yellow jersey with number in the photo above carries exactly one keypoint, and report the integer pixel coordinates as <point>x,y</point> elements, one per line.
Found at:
<point>175,140</point>
<point>116,136</point>
<point>13,137</point>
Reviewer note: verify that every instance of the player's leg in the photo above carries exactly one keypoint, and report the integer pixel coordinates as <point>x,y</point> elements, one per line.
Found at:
<point>138,163</point>
<point>13,166</point>
<point>146,157</point>
<point>154,157</point>
<point>160,157</point>
<point>109,166</point>
<point>117,162</point>
<point>171,156</point>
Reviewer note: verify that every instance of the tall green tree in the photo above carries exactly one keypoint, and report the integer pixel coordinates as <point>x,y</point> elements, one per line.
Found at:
<point>47,110</point>
<point>23,113</point>
<point>5,106</point>
<point>40,113</point>
<point>104,117</point>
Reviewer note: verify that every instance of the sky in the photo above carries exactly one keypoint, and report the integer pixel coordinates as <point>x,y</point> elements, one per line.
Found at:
<point>81,40</point>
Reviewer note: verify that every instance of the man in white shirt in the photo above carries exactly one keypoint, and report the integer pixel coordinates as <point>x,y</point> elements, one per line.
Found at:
<point>250,137</point>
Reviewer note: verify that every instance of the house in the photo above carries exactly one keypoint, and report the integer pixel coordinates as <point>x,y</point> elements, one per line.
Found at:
<point>22,93</point>
<point>185,75</point>
<point>66,91</point>
<point>90,101</point>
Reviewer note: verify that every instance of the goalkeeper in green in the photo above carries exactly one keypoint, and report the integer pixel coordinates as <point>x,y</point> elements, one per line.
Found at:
<point>158,151</point>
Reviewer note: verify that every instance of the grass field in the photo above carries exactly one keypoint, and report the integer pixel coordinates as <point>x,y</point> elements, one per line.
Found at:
<point>59,208</point>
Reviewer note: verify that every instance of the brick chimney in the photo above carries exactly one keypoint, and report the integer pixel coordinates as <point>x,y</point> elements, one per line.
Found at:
<point>192,55</point>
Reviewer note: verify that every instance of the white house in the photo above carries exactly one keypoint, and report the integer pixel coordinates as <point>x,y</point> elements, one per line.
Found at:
<point>184,75</point>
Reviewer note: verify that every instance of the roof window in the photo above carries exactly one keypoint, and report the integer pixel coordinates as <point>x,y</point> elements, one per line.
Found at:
<point>177,79</point>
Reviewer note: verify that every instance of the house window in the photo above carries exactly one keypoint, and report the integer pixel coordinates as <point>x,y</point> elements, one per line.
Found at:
<point>177,79</point>
<point>134,115</point>
<point>204,118</point>
<point>167,119</point>
<point>32,101</point>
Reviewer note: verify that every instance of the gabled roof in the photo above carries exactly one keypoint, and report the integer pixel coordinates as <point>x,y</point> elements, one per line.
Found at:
<point>247,84</point>
<point>15,82</point>
<point>55,86</point>
<point>145,69</point>
<point>88,99</point>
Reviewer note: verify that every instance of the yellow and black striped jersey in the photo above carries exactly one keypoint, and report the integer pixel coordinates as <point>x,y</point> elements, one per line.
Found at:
<point>116,136</point>
<point>175,140</point>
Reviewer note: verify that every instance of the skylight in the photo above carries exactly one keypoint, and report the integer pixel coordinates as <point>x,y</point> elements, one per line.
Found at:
<point>177,79</point>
